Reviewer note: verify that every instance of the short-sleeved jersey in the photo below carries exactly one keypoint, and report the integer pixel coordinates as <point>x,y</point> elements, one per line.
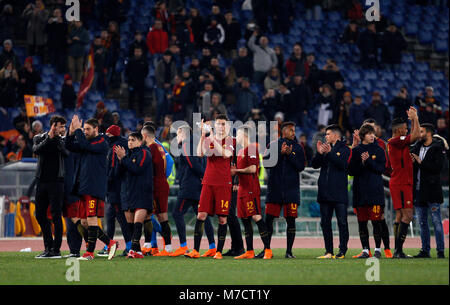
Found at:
<point>248,183</point>
<point>400,160</point>
<point>159,168</point>
<point>218,168</point>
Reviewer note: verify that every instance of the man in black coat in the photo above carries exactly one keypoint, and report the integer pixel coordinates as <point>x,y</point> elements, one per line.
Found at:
<point>367,164</point>
<point>301,101</point>
<point>243,64</point>
<point>401,104</point>
<point>50,173</point>
<point>232,35</point>
<point>332,159</point>
<point>428,157</point>
<point>136,72</point>
<point>368,46</point>
<point>392,45</point>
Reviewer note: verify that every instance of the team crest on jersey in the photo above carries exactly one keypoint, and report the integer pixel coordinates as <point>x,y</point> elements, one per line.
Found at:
<point>374,157</point>
<point>338,154</point>
<point>408,202</point>
<point>134,160</point>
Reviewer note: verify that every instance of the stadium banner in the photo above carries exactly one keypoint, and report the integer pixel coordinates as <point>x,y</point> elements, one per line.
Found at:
<point>88,78</point>
<point>38,105</point>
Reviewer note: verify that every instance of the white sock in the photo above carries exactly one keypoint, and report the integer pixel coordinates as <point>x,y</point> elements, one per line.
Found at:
<point>366,250</point>
<point>168,248</point>
<point>378,249</point>
<point>147,245</point>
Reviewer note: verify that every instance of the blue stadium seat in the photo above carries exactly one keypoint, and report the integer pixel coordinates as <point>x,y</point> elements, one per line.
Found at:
<point>354,75</point>
<point>425,37</point>
<point>408,58</point>
<point>422,67</point>
<point>404,76</point>
<point>411,29</point>
<point>440,45</point>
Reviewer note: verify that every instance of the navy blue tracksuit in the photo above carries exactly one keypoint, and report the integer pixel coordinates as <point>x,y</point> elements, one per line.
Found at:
<point>114,209</point>
<point>137,185</point>
<point>190,173</point>
<point>368,188</point>
<point>333,193</point>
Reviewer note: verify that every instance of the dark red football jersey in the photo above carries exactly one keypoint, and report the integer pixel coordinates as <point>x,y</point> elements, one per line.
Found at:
<point>400,160</point>
<point>248,183</point>
<point>159,168</point>
<point>218,168</point>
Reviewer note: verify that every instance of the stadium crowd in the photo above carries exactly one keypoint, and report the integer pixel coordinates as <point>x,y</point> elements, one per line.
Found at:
<point>185,51</point>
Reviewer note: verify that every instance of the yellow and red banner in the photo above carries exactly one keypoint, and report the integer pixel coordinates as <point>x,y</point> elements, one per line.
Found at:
<point>88,78</point>
<point>38,105</point>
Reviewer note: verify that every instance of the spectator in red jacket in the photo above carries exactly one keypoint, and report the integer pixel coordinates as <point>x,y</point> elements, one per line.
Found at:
<point>295,63</point>
<point>355,12</point>
<point>157,40</point>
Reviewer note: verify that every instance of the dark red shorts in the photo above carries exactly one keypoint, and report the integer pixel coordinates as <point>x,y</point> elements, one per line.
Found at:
<point>71,210</point>
<point>367,213</point>
<point>402,196</point>
<point>248,206</point>
<point>274,209</point>
<point>215,200</point>
<point>160,202</point>
<point>90,207</point>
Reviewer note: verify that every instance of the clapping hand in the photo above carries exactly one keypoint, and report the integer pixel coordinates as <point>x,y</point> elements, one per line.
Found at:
<point>75,124</point>
<point>356,138</point>
<point>364,156</point>
<point>416,158</point>
<point>52,131</point>
<point>120,152</point>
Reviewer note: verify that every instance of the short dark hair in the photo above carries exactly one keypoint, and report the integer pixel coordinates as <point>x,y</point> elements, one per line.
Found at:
<point>58,119</point>
<point>397,122</point>
<point>136,135</point>
<point>334,128</point>
<point>366,129</point>
<point>150,123</point>
<point>93,122</point>
<point>149,129</point>
<point>286,124</point>
<point>246,129</point>
<point>369,121</point>
<point>429,127</point>
<point>222,117</point>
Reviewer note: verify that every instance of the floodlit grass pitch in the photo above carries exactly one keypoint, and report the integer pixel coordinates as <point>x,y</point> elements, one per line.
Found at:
<point>22,268</point>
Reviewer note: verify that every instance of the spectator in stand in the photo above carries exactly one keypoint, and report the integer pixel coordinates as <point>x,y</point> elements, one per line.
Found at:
<point>214,69</point>
<point>280,60</point>
<point>357,113</point>
<point>272,80</point>
<point>341,111</point>
<point>214,36</point>
<point>401,104</point>
<point>160,13</point>
<point>379,112</point>
<point>206,58</point>
<point>303,141</point>
<point>243,64</point>
<point>368,44</point>
<point>318,136</point>
<point>104,117</point>
<point>428,116</point>
<point>429,98</point>
<point>194,68</point>
<point>164,73</point>
<point>330,73</point>
<point>351,33</point>
<point>216,14</point>
<point>101,66</point>
<point>217,105</point>
<point>339,89</point>
<point>136,71</point>
<point>28,78</point>
<point>77,41</point>
<point>261,9</point>
<point>163,133</point>
<point>326,103</point>
<point>37,128</point>
<point>68,95</point>
<point>8,22</point>
<point>37,17</point>
<point>282,15</point>
<point>302,100</point>
<point>312,73</point>
<point>296,62</point>
<point>157,41</point>
<point>269,103</point>
<point>232,35</point>
<point>138,42</point>
<point>24,129</point>
<point>9,82</point>
<point>355,12</point>
<point>198,27</point>
<point>442,128</point>
<point>118,122</point>
<point>285,102</point>
<point>264,57</point>
<point>178,98</point>
<point>186,37</point>
<point>22,118</point>
<point>9,55</point>
<point>23,148</point>
<point>56,29</point>
<point>255,115</point>
<point>204,98</point>
<point>246,99</point>
<point>392,45</point>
